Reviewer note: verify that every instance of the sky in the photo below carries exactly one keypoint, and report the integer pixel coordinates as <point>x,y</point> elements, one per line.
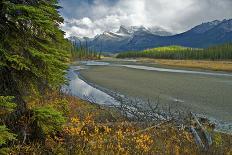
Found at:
<point>87,18</point>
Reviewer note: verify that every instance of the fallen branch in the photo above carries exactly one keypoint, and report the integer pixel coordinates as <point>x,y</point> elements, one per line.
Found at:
<point>197,137</point>
<point>204,131</point>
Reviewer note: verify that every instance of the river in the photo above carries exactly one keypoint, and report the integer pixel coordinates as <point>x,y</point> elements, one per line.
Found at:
<point>204,92</point>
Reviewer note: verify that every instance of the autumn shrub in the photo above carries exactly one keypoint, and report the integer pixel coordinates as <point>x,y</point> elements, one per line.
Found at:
<point>86,136</point>
<point>88,129</point>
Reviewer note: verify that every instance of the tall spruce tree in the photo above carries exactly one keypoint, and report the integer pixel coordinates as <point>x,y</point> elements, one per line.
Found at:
<point>33,51</point>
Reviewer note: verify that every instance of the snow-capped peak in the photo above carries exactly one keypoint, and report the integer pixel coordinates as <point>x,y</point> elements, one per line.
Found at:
<point>160,31</point>
<point>112,35</point>
<point>138,28</point>
<point>123,30</point>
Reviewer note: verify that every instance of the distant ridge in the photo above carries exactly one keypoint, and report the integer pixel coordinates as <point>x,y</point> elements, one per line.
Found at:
<point>140,38</point>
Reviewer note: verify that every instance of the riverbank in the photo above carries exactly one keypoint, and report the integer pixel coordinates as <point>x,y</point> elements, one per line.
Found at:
<point>202,93</point>
<point>206,65</point>
<point>98,128</point>
<point>94,128</point>
<point>199,64</point>
<point>102,129</point>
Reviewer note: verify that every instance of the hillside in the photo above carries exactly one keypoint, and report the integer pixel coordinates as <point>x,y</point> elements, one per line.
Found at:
<point>220,52</point>
<point>167,48</point>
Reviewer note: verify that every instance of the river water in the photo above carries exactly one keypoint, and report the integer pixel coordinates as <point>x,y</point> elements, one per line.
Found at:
<point>78,87</point>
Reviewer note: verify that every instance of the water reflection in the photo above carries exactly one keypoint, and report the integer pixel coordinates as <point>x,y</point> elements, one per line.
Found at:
<point>78,87</point>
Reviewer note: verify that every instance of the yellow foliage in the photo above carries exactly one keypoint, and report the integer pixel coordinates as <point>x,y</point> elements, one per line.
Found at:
<point>86,135</point>
<point>93,130</point>
<point>143,142</point>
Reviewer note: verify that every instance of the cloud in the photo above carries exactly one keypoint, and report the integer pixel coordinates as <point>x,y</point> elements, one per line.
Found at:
<point>91,17</point>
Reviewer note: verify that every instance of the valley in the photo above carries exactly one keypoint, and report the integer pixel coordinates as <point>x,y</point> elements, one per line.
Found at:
<point>82,77</point>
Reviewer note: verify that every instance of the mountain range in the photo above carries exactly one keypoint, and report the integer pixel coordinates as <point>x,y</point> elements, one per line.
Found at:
<point>139,38</point>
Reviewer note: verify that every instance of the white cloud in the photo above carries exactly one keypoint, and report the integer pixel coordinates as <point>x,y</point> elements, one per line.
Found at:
<point>85,19</point>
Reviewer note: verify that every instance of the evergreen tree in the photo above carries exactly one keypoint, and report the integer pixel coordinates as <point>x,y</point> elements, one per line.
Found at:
<point>33,51</point>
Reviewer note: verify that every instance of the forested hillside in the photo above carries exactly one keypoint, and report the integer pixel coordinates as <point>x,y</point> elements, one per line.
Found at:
<point>221,52</point>
<point>83,52</point>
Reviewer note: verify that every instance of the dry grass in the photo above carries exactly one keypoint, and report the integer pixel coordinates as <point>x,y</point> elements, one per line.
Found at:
<point>92,129</point>
<point>201,64</point>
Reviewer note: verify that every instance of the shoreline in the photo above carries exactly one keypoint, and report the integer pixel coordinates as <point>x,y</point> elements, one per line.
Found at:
<point>150,85</point>
<point>207,65</point>
<point>219,123</point>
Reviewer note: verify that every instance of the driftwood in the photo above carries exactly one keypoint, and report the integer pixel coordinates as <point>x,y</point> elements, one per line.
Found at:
<point>206,135</point>
<point>197,137</point>
<point>140,111</point>
<point>148,111</point>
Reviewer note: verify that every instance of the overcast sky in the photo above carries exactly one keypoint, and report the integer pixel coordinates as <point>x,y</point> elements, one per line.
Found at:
<point>92,17</point>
